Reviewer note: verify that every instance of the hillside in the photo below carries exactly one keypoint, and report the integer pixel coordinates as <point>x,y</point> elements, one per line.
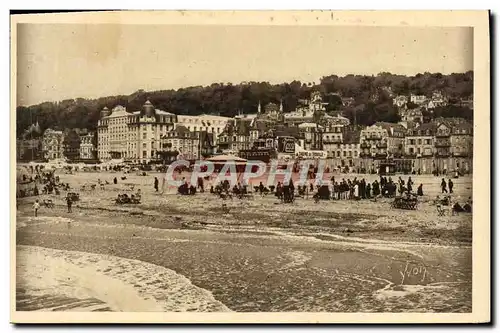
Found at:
<point>226,99</point>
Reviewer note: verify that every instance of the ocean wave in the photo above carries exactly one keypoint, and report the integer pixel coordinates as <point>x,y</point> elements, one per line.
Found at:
<point>123,284</point>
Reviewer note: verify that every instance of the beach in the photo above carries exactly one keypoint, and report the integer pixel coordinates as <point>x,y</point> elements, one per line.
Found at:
<point>254,255</point>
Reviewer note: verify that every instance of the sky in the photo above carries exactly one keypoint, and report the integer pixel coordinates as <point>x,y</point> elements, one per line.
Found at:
<point>62,61</point>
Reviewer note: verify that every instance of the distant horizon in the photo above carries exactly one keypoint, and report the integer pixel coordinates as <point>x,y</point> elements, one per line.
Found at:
<point>61,61</point>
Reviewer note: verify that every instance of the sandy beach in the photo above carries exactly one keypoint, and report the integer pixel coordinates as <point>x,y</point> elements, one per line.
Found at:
<point>347,256</point>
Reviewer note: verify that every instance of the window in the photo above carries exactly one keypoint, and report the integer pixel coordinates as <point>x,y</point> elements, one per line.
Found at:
<point>144,135</point>
<point>344,153</point>
<point>419,141</point>
<point>411,150</point>
<point>144,154</point>
<point>144,145</point>
<point>418,150</point>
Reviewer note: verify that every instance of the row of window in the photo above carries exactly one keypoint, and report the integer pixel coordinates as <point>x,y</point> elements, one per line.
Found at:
<point>419,141</point>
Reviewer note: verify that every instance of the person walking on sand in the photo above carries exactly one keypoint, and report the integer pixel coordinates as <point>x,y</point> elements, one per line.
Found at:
<point>443,186</point>
<point>156,184</point>
<point>420,190</point>
<point>450,185</point>
<point>36,207</point>
<point>69,203</point>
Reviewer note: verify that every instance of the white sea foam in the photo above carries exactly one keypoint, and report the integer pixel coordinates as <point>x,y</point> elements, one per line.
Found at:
<point>123,284</point>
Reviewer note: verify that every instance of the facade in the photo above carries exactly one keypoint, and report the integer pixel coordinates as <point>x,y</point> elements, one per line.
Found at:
<point>454,147</point>
<point>52,144</point>
<point>132,136</point>
<point>400,101</point>
<point>412,115</point>
<point>211,124</point>
<point>395,138</point>
<point>418,99</point>
<point>87,146</point>
<point>419,142</point>
<point>28,149</point>
<point>183,141</point>
<point>311,136</point>
<point>373,141</point>
<point>236,135</point>
<point>333,135</point>
<point>305,113</point>
<point>350,147</point>
<point>461,140</point>
<point>437,100</point>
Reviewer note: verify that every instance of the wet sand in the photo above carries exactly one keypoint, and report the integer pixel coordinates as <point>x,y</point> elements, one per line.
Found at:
<point>337,256</point>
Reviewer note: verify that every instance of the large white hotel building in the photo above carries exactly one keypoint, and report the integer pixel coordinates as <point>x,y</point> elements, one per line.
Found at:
<point>137,136</point>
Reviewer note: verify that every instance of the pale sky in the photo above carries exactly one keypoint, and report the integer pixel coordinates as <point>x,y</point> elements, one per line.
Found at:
<point>61,61</point>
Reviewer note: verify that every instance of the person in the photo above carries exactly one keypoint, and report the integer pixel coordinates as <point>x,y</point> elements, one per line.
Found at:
<point>200,185</point>
<point>156,184</point>
<point>443,186</point>
<point>356,191</point>
<point>420,190</point>
<point>36,207</point>
<point>115,181</point>
<point>468,206</point>
<point>69,203</point>
<point>409,185</point>
<point>450,185</point>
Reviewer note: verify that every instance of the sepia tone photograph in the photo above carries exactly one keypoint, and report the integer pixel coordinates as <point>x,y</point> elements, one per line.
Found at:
<point>260,163</point>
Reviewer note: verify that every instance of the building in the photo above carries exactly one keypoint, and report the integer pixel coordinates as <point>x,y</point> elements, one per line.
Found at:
<point>412,115</point>
<point>333,134</point>
<point>418,99</point>
<point>132,136</point>
<point>310,136</point>
<point>350,148</point>
<point>400,101</point>
<point>373,142</point>
<point>236,135</point>
<point>462,140</point>
<point>453,146</point>
<point>419,142</point>
<point>183,141</point>
<point>211,124</point>
<point>28,149</point>
<point>52,144</point>
<point>395,138</point>
<point>87,146</point>
<point>307,110</point>
<point>437,100</point>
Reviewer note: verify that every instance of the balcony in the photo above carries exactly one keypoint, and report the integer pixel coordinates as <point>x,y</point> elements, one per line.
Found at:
<point>442,154</point>
<point>442,144</point>
<point>462,154</point>
<point>330,141</point>
<point>365,145</point>
<point>442,134</point>
<point>381,145</point>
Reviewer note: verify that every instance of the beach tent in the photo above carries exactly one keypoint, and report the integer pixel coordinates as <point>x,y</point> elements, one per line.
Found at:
<point>220,160</point>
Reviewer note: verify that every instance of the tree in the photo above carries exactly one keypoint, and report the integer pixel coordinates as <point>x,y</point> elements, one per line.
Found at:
<point>71,145</point>
<point>227,99</point>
